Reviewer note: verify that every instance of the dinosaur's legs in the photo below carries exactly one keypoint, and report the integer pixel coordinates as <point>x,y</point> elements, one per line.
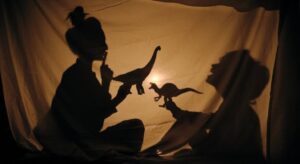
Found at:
<point>140,89</point>
<point>157,98</point>
<point>165,99</point>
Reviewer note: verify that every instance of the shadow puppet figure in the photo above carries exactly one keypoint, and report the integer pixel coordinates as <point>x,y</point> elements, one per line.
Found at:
<point>169,90</point>
<point>233,132</point>
<point>137,76</point>
<point>81,103</point>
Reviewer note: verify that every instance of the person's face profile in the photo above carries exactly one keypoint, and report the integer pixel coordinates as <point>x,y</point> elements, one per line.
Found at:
<point>102,55</point>
<point>219,72</point>
<point>216,72</point>
<point>99,56</point>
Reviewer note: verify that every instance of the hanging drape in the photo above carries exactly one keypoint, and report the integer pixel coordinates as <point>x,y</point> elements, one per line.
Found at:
<point>284,110</point>
<point>224,52</point>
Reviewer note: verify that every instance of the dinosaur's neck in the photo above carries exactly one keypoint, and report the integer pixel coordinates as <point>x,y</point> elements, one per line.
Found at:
<point>155,88</point>
<point>150,64</point>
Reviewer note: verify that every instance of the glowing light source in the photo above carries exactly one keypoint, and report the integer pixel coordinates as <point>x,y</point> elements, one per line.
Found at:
<point>155,78</point>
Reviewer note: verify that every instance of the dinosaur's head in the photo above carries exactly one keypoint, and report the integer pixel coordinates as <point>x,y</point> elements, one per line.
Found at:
<point>158,48</point>
<point>152,85</point>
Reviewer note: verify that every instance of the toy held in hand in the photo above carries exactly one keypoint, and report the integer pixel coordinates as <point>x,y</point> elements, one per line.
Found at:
<point>169,90</point>
<point>137,76</point>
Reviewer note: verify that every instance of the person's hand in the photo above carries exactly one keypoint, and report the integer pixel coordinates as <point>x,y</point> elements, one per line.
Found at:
<point>106,73</point>
<point>170,105</point>
<point>123,91</point>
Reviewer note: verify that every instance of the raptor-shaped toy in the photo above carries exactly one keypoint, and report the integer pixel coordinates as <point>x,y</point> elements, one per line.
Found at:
<point>169,90</point>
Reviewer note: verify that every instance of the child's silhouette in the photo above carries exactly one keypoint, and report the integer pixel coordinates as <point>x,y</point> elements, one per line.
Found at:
<point>81,103</point>
<point>235,127</point>
<point>234,130</point>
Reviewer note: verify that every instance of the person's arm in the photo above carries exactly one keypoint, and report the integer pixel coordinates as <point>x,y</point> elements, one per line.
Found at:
<point>107,75</point>
<point>113,103</point>
<point>174,109</point>
<point>123,91</point>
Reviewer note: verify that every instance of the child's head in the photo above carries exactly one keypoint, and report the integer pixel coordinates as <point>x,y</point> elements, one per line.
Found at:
<point>77,15</point>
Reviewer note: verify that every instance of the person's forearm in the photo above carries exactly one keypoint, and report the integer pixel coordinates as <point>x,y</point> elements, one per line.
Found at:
<point>116,101</point>
<point>106,84</point>
<point>176,112</point>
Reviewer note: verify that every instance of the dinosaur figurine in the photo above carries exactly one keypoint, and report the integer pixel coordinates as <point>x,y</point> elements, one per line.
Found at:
<point>137,76</point>
<point>169,90</point>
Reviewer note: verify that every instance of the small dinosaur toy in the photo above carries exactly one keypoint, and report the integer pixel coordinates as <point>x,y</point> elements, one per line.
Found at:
<point>137,76</point>
<point>169,90</point>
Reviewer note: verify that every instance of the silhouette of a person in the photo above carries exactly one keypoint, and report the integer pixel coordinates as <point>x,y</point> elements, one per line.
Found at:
<point>81,103</point>
<point>234,130</point>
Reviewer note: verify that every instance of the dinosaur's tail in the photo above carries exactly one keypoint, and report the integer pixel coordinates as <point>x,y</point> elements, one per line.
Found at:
<point>187,90</point>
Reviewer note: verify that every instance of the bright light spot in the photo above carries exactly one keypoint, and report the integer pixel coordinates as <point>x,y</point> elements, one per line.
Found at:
<point>155,78</point>
<point>207,131</point>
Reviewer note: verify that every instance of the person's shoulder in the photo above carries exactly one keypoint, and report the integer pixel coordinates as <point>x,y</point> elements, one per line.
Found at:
<point>71,71</point>
<point>70,32</point>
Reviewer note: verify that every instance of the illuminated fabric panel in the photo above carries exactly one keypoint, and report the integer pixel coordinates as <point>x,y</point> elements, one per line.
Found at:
<point>201,82</point>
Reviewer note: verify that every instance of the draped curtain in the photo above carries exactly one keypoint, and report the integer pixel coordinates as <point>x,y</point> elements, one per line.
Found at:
<point>194,37</point>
